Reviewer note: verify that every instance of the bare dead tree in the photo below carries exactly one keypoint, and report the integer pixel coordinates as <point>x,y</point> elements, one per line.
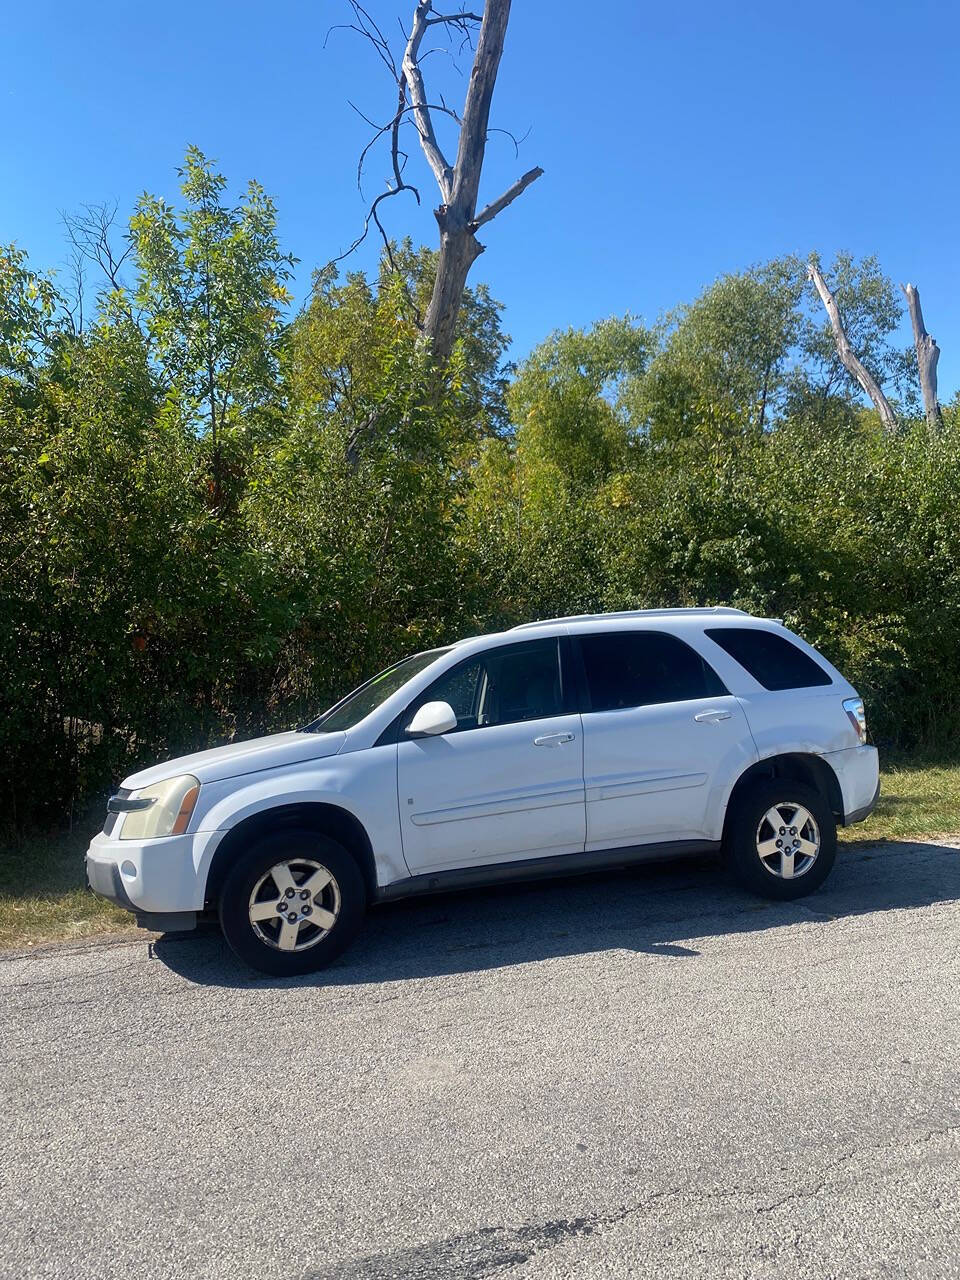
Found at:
<point>459,183</point>
<point>90,233</point>
<point>848,358</point>
<point>928,353</point>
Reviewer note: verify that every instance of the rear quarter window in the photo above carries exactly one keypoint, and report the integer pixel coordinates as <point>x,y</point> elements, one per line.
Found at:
<point>771,659</point>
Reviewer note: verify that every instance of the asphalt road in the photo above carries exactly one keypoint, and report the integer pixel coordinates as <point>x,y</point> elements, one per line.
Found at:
<point>644,1074</point>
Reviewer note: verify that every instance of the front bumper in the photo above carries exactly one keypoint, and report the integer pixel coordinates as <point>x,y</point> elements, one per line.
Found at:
<point>105,880</point>
<point>162,881</point>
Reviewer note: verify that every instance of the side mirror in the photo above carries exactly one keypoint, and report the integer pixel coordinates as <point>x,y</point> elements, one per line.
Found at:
<point>431,719</point>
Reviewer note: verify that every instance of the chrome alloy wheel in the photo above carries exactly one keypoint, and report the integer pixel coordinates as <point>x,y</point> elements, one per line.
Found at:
<point>788,840</point>
<point>294,905</point>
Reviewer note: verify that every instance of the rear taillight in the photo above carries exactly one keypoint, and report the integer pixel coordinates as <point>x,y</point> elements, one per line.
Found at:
<point>857,717</point>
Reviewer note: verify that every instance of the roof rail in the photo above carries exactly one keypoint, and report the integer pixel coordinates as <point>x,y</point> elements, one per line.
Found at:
<point>713,610</point>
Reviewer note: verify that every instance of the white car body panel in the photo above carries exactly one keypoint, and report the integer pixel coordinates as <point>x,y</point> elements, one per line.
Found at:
<point>364,784</point>
<point>858,772</point>
<point>163,875</point>
<point>492,794</point>
<point>655,773</point>
<point>236,759</point>
<point>637,776</point>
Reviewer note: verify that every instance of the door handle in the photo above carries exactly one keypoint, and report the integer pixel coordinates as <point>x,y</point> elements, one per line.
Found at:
<point>711,717</point>
<point>552,739</point>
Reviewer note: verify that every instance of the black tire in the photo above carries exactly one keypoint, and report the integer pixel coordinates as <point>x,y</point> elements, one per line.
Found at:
<point>345,892</point>
<point>747,824</point>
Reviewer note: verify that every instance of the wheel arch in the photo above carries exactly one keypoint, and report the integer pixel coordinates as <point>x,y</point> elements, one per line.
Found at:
<point>811,770</point>
<point>326,819</point>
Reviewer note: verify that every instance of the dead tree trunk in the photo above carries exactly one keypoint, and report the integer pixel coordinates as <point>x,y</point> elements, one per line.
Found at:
<point>928,353</point>
<point>459,184</point>
<point>849,360</point>
<point>457,215</point>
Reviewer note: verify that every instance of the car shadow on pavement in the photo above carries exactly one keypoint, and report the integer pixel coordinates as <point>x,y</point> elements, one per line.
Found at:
<point>660,908</point>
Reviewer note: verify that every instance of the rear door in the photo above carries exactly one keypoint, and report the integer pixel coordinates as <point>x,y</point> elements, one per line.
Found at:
<point>662,740</point>
<point>507,782</point>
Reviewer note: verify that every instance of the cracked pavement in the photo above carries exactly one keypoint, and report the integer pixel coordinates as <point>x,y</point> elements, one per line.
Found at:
<point>641,1074</point>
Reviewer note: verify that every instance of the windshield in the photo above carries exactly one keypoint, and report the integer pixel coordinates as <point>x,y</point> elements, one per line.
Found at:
<point>355,706</point>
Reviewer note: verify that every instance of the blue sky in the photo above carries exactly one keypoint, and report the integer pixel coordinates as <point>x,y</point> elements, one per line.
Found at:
<point>679,141</point>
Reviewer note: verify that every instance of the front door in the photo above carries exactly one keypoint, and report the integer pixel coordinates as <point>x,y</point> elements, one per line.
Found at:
<point>507,782</point>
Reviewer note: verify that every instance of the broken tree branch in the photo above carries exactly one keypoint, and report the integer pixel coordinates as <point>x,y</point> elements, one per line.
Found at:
<point>89,232</point>
<point>511,193</point>
<point>476,110</point>
<point>392,127</point>
<point>849,360</point>
<point>928,353</point>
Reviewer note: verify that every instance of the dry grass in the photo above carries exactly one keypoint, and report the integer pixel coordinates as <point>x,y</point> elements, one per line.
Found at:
<point>917,798</point>
<point>44,898</point>
<point>43,893</point>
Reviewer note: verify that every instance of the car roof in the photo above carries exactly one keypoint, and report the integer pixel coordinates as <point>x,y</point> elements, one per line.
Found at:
<point>636,615</point>
<point>631,618</point>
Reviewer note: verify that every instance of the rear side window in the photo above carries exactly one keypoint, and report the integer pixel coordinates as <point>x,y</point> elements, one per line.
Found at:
<point>641,668</point>
<point>771,659</point>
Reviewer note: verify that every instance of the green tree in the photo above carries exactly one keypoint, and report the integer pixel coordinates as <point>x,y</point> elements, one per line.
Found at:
<point>34,317</point>
<point>528,540</point>
<point>567,398</point>
<point>722,368</point>
<point>211,291</point>
<point>343,348</point>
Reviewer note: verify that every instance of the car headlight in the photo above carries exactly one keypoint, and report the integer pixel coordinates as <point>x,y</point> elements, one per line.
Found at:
<point>170,809</point>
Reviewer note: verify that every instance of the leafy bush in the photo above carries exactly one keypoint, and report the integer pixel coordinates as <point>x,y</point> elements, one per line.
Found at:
<point>214,520</point>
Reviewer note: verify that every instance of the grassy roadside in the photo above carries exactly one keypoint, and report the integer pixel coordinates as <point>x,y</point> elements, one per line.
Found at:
<point>917,798</point>
<point>43,893</point>
<point>43,897</point>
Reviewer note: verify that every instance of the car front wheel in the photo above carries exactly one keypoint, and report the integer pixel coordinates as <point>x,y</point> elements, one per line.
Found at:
<point>292,902</point>
<point>781,839</point>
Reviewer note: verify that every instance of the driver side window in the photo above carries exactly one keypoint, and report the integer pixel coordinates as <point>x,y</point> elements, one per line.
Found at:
<point>503,686</point>
<point>461,688</point>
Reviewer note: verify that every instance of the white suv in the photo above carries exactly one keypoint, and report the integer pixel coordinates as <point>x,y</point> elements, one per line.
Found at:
<point>557,747</point>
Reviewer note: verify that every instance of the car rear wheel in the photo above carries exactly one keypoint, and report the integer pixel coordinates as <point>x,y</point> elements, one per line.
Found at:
<point>781,839</point>
<point>292,902</point>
